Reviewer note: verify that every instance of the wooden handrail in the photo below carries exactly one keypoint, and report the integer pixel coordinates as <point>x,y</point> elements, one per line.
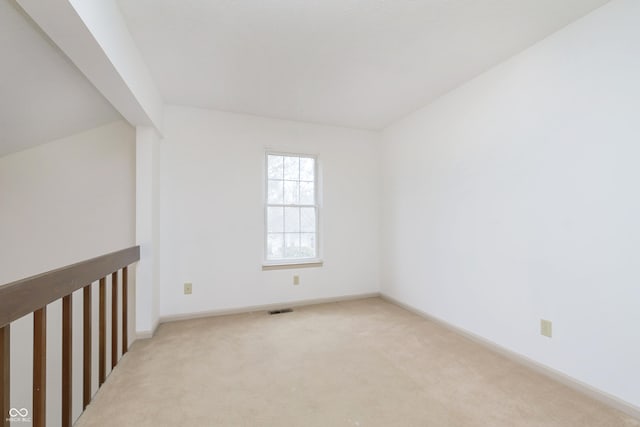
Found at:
<point>25,296</point>
<point>32,295</point>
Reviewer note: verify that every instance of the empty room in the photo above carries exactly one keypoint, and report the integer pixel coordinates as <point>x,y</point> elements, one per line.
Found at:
<point>319,213</point>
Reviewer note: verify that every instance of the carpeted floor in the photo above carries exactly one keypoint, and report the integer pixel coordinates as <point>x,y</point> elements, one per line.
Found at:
<point>356,363</point>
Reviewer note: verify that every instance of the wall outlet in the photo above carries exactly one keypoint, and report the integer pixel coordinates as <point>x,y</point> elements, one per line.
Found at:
<point>545,328</point>
<point>188,288</point>
<point>296,279</point>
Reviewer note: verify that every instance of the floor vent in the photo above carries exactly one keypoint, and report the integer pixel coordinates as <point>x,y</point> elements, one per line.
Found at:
<point>283,310</point>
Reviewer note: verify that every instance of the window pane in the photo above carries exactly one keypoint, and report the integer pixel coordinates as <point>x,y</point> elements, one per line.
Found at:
<point>292,245</point>
<point>292,168</point>
<point>291,193</point>
<point>275,220</point>
<point>291,220</point>
<point>275,167</point>
<point>307,195</point>
<point>291,231</point>
<point>307,169</point>
<point>276,192</point>
<point>307,245</point>
<point>308,220</point>
<point>275,246</point>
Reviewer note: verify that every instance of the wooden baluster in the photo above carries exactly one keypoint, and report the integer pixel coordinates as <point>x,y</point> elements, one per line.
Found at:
<point>5,378</point>
<point>67,360</point>
<point>125,310</point>
<point>86,350</point>
<point>39,367</point>
<point>114,320</point>
<point>102,338</point>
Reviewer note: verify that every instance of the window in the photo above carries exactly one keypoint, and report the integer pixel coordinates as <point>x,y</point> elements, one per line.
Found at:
<point>291,208</point>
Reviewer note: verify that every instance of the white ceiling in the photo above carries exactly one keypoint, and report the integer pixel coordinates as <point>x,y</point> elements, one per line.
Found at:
<point>42,95</point>
<point>356,63</point>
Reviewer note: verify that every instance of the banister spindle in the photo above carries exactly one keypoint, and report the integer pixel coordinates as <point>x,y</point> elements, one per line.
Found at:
<point>114,320</point>
<point>39,367</point>
<point>125,310</point>
<point>102,335</point>
<point>86,350</point>
<point>67,359</point>
<point>5,369</point>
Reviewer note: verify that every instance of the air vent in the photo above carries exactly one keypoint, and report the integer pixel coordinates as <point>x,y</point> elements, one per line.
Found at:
<point>283,310</point>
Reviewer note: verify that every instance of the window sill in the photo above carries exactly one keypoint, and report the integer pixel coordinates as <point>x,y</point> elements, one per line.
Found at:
<point>286,265</point>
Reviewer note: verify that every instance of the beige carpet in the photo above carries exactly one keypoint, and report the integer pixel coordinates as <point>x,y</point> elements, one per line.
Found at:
<point>356,363</point>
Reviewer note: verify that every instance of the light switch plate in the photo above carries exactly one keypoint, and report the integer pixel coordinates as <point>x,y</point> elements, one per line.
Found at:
<point>545,328</point>
<point>188,288</point>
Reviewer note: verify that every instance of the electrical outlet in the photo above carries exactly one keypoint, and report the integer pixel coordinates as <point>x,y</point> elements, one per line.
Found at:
<point>296,280</point>
<point>545,328</point>
<point>188,288</point>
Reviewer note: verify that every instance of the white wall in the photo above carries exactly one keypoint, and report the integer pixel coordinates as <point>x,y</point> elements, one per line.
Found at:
<point>147,230</point>
<point>211,211</point>
<point>515,198</point>
<point>60,203</point>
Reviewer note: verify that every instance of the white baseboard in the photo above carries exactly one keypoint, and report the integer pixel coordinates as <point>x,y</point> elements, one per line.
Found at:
<point>571,382</point>
<point>143,335</point>
<point>265,307</point>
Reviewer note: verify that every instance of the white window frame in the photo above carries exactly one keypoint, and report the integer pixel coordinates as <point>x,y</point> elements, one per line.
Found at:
<point>291,262</point>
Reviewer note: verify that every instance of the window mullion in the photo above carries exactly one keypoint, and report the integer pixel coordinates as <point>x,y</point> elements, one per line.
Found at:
<point>276,205</point>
